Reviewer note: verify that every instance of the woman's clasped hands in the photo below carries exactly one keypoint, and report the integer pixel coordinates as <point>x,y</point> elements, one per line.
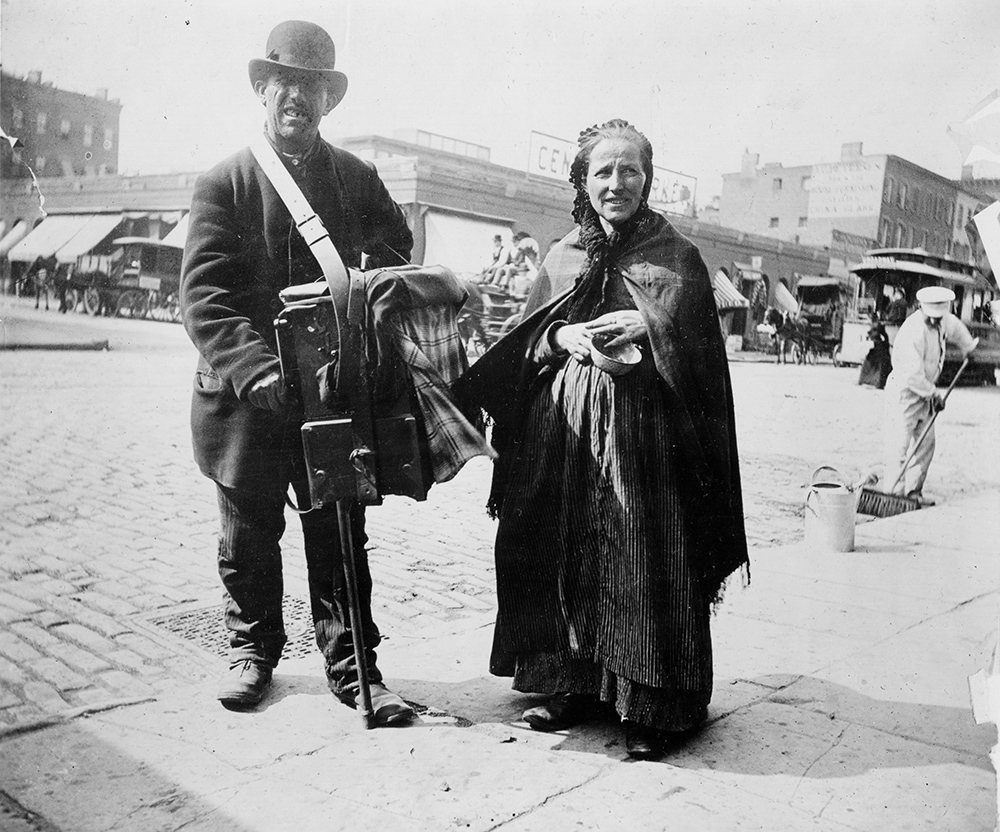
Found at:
<point>608,332</point>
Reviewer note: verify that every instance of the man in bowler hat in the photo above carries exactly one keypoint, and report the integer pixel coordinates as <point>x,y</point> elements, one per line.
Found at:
<point>243,248</point>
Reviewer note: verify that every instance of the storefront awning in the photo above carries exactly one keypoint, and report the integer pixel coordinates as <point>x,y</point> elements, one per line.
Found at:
<point>784,299</point>
<point>726,295</point>
<point>462,243</point>
<point>48,237</point>
<point>12,237</point>
<point>98,227</point>
<point>177,235</point>
<point>748,272</point>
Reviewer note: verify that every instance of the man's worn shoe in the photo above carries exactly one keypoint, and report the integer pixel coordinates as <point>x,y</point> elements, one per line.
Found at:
<point>563,710</point>
<point>643,743</point>
<point>244,685</point>
<point>388,708</point>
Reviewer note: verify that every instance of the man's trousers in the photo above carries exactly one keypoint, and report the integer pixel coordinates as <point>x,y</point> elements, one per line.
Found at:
<point>906,416</point>
<point>251,526</point>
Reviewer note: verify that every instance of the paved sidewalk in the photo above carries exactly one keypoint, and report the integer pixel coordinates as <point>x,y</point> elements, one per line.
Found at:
<point>841,703</point>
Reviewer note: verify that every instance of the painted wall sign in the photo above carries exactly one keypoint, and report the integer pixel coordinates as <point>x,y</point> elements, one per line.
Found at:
<point>671,191</point>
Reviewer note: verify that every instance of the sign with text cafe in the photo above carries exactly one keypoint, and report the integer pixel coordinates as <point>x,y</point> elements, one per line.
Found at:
<point>672,192</point>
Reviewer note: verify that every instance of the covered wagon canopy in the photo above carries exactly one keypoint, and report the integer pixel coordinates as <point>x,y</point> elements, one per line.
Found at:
<point>921,265</point>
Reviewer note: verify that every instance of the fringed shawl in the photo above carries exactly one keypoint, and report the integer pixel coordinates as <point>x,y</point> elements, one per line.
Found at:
<point>670,286</point>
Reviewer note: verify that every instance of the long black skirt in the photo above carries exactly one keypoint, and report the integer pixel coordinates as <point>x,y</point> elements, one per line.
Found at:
<point>595,590</point>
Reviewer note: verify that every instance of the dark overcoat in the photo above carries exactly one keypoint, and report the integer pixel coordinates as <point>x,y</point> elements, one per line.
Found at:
<point>242,249</point>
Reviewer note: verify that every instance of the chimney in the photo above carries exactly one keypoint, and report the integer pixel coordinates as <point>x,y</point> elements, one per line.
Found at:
<point>850,150</point>
<point>749,169</point>
<point>35,76</point>
<point>102,93</point>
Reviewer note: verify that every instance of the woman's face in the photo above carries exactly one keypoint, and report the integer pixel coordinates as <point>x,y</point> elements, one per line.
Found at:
<point>615,181</point>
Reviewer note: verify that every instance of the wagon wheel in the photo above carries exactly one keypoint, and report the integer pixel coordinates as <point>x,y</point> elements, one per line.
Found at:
<point>474,337</point>
<point>155,306</point>
<point>72,299</point>
<point>133,304</point>
<point>836,356</point>
<point>172,307</point>
<point>92,300</point>
<point>509,324</point>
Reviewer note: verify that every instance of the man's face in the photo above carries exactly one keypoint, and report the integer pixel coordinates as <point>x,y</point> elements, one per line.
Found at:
<point>295,103</point>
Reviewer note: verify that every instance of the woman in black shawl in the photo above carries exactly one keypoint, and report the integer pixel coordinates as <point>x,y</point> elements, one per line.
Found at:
<point>618,496</point>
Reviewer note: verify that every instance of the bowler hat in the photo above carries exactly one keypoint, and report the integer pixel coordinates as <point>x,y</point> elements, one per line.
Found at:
<point>304,47</point>
<point>935,300</point>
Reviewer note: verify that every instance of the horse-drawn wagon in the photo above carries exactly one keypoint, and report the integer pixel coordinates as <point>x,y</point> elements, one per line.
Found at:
<point>139,279</point>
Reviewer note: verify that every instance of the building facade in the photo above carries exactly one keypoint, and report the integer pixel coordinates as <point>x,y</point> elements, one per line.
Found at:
<point>455,201</point>
<point>882,198</point>
<point>63,133</point>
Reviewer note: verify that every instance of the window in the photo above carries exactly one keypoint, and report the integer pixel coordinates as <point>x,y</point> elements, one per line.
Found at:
<point>64,128</point>
<point>776,184</point>
<point>961,212</point>
<point>803,221</point>
<point>88,135</point>
<point>40,121</point>
<point>805,183</point>
<point>773,222</point>
<point>885,233</point>
<point>18,118</point>
<point>40,164</point>
<point>898,242</point>
<point>109,138</point>
<point>901,194</point>
<point>887,190</point>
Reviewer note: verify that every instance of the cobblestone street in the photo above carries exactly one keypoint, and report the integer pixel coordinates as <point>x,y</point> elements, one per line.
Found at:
<point>108,589</point>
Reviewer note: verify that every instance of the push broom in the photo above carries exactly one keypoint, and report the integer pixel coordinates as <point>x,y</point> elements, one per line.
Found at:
<point>882,504</point>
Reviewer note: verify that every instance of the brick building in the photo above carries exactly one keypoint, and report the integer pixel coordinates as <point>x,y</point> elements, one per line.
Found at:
<point>883,198</point>
<point>64,133</point>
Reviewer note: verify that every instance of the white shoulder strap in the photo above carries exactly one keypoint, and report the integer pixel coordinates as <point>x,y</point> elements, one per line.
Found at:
<point>309,224</point>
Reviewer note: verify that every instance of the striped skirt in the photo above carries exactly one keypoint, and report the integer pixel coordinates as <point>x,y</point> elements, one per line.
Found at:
<point>595,590</point>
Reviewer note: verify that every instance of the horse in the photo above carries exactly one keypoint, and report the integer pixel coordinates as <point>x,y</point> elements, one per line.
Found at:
<point>41,283</point>
<point>783,330</point>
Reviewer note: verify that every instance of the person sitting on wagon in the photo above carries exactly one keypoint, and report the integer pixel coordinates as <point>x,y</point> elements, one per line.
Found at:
<point>912,399</point>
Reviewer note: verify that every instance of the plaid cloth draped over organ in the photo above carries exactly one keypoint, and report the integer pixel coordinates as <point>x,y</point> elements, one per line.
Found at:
<point>418,310</point>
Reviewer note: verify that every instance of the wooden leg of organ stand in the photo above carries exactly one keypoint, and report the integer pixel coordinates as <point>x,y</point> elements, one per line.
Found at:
<point>364,698</point>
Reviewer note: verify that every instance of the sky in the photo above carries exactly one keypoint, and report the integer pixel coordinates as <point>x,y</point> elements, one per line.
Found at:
<point>705,81</point>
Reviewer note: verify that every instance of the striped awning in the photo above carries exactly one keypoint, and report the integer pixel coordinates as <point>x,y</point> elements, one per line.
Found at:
<point>14,236</point>
<point>97,229</point>
<point>46,238</point>
<point>726,295</point>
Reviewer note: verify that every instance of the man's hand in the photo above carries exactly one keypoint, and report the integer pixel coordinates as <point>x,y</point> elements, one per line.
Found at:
<point>937,402</point>
<point>616,329</point>
<point>269,393</point>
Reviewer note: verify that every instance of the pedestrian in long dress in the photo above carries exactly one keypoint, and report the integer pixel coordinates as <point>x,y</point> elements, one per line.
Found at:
<point>618,496</point>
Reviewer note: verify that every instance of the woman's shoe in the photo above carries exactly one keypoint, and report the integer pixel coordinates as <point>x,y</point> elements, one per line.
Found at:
<point>643,743</point>
<point>563,710</point>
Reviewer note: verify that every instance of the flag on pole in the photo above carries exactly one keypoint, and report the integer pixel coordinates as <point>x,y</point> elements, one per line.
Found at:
<point>978,135</point>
